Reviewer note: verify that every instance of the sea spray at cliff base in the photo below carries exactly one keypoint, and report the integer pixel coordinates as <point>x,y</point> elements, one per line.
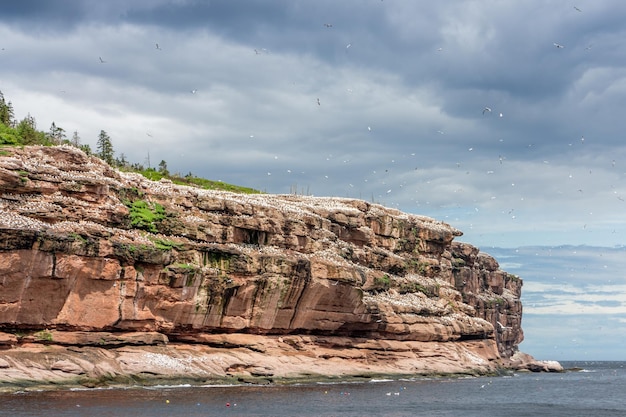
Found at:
<point>122,280</point>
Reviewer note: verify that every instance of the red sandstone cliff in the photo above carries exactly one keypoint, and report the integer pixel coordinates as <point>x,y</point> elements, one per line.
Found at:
<point>115,275</point>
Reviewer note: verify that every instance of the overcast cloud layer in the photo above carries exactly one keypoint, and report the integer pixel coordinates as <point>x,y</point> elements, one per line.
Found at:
<point>504,119</point>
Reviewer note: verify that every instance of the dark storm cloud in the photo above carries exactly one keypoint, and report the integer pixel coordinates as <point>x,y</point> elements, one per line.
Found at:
<point>239,20</point>
<point>34,13</point>
<point>41,17</point>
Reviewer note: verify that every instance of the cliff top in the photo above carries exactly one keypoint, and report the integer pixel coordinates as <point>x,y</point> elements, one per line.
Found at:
<point>25,171</point>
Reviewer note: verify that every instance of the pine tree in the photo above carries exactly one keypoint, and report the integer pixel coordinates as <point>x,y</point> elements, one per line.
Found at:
<point>121,161</point>
<point>75,139</point>
<point>85,148</point>
<point>104,148</point>
<point>56,134</point>
<point>163,168</point>
<point>27,130</point>
<point>6,111</point>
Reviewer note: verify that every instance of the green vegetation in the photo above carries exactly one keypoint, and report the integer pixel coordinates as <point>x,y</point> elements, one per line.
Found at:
<point>104,147</point>
<point>413,287</point>
<point>145,215</point>
<point>77,237</point>
<point>212,185</point>
<point>25,132</point>
<point>419,266</point>
<point>191,180</point>
<point>217,260</point>
<point>130,194</point>
<point>184,266</point>
<point>8,135</point>
<point>165,245</point>
<point>139,254</point>
<point>457,262</point>
<point>45,335</point>
<point>383,282</point>
<point>23,176</point>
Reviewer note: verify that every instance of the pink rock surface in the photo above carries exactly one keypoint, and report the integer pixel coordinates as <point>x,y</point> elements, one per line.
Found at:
<point>273,284</point>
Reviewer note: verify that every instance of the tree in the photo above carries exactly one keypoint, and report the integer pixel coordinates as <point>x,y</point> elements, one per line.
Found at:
<point>6,111</point>
<point>56,134</point>
<point>121,161</point>
<point>27,131</point>
<point>104,148</point>
<point>8,135</point>
<point>75,139</point>
<point>85,148</point>
<point>163,168</point>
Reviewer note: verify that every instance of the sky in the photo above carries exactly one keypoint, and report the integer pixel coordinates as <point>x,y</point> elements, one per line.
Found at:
<point>503,119</point>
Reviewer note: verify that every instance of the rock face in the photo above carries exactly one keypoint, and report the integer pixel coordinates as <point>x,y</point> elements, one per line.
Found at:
<point>96,258</point>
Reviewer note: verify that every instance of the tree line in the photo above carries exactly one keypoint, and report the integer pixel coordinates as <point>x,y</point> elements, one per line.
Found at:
<point>25,132</point>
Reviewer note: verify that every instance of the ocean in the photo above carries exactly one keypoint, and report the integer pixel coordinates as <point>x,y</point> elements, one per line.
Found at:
<point>595,389</point>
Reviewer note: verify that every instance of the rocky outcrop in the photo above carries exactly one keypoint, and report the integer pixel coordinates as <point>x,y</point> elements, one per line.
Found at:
<point>109,262</point>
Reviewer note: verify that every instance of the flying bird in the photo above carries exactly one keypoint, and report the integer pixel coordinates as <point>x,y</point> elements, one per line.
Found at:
<point>158,47</point>
<point>558,45</point>
<point>318,102</point>
<point>102,61</point>
<point>486,110</point>
<point>577,9</point>
<point>194,91</point>
<point>328,25</point>
<point>502,326</point>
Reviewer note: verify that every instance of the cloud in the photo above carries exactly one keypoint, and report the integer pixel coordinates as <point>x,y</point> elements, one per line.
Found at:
<point>399,119</point>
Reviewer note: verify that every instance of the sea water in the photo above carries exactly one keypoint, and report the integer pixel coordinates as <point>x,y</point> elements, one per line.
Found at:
<point>593,389</point>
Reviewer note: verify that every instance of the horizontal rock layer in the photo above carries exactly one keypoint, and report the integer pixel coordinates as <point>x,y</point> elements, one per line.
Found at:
<point>85,249</point>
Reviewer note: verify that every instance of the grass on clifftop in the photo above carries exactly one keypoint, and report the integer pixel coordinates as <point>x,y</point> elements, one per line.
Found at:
<point>192,180</point>
<point>155,175</point>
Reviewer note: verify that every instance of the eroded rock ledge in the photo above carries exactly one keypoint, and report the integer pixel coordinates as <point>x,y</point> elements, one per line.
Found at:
<point>103,270</point>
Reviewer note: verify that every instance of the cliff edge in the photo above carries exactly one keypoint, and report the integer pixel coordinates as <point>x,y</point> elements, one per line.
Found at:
<point>107,276</point>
